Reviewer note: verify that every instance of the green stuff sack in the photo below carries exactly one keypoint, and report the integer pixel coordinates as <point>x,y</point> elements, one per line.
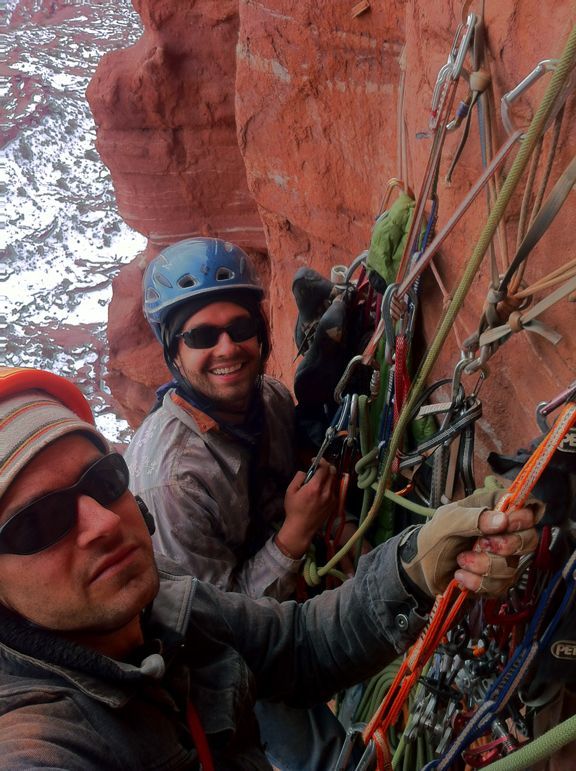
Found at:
<point>389,238</point>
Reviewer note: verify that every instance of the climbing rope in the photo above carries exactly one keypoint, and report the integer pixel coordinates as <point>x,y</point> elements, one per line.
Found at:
<point>538,749</point>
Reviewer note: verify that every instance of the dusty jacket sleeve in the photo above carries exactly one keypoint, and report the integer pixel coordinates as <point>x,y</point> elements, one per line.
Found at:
<point>304,653</point>
<point>191,531</point>
<point>39,735</point>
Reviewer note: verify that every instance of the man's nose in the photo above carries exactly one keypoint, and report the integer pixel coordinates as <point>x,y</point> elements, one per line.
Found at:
<point>94,521</point>
<point>225,343</point>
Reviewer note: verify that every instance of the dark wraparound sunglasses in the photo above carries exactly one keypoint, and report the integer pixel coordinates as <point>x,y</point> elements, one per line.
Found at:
<point>207,336</point>
<point>48,519</point>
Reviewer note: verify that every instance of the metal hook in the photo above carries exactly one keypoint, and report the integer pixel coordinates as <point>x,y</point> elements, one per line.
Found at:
<point>545,408</point>
<point>546,65</point>
<point>461,365</point>
<point>408,329</point>
<point>353,420</point>
<point>386,316</point>
<point>346,375</point>
<point>453,67</point>
<point>464,46</point>
<point>356,262</point>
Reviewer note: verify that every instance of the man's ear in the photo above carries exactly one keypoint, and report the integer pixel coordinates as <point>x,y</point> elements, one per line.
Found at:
<point>145,511</point>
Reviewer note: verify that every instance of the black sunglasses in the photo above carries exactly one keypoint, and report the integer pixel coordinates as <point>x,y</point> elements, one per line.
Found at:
<point>207,336</point>
<point>48,519</point>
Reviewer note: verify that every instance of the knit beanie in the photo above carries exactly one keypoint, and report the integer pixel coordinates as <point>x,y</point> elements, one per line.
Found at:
<point>32,419</point>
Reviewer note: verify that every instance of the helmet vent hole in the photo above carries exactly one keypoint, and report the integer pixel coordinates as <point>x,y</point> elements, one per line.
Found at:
<point>187,281</point>
<point>161,279</point>
<point>224,274</point>
<point>151,295</point>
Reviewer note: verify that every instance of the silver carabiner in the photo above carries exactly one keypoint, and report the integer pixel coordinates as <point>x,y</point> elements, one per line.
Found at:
<point>461,365</point>
<point>353,734</point>
<point>353,421</point>
<point>411,313</point>
<point>443,75</point>
<point>346,375</point>
<point>464,46</point>
<point>389,327</point>
<point>546,65</point>
<point>453,67</point>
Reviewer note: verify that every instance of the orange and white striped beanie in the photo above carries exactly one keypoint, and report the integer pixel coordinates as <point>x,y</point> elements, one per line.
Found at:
<point>36,408</point>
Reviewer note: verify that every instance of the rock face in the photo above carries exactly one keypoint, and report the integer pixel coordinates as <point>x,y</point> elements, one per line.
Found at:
<point>164,109</point>
<point>278,126</point>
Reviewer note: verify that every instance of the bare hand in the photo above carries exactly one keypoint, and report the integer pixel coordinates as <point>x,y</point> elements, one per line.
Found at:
<point>307,506</point>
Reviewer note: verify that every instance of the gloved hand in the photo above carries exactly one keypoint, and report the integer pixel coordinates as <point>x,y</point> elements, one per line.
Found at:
<point>484,545</point>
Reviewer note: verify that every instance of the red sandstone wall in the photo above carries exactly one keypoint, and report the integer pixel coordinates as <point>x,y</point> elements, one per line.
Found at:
<point>164,109</point>
<point>313,94</point>
<point>335,81</point>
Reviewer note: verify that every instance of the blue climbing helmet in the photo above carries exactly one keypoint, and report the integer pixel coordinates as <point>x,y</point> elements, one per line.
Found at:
<point>191,274</point>
<point>206,268</point>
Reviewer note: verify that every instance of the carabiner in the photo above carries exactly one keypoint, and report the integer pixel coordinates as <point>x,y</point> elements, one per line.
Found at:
<point>353,420</point>
<point>546,65</point>
<point>352,735</point>
<point>389,326</point>
<point>464,46</point>
<point>545,408</point>
<point>346,375</point>
<point>453,67</point>
<point>457,391</point>
<point>443,75</point>
<point>408,330</point>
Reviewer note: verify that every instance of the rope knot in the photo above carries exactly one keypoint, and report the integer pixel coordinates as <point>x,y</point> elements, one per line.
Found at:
<point>515,321</point>
<point>479,81</point>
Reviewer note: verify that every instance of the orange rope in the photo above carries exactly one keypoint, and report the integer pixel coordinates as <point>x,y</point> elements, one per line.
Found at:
<point>448,605</point>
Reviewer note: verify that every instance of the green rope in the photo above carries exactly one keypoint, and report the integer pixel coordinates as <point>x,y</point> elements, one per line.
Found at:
<point>535,130</point>
<point>375,690</point>
<point>538,749</point>
<point>416,508</point>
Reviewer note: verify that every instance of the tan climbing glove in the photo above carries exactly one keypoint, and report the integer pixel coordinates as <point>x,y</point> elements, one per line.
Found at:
<point>429,554</point>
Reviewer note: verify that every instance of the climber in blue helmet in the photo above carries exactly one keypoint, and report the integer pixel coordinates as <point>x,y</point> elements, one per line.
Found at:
<point>215,461</point>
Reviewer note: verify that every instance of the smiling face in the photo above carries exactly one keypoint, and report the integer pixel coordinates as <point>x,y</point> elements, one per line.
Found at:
<point>93,583</point>
<point>226,373</point>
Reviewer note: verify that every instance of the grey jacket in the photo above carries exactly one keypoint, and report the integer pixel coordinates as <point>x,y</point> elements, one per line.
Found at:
<point>65,707</point>
<point>211,516</point>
